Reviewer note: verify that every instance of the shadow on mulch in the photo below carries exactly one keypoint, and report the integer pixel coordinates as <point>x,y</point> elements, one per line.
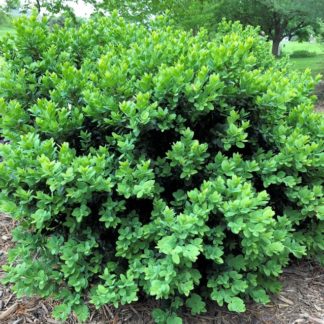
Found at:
<point>300,301</point>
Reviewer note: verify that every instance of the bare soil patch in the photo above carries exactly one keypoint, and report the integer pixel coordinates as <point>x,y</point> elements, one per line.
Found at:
<point>301,300</point>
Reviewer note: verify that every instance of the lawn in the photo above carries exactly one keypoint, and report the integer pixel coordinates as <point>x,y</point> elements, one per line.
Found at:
<point>315,63</point>
<point>4,29</point>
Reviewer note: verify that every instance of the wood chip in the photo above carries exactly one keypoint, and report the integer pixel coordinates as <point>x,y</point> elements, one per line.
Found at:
<point>318,283</point>
<point>92,316</point>
<point>18,321</point>
<point>135,311</point>
<point>4,315</point>
<point>7,302</point>
<point>316,320</point>
<point>32,309</point>
<point>301,274</point>
<point>313,319</point>
<point>318,308</point>
<point>52,321</point>
<point>29,320</point>
<point>44,307</point>
<point>106,307</point>
<point>285,300</point>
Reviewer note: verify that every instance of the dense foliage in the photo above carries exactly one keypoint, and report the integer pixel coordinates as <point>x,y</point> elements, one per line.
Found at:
<point>149,162</point>
<point>278,18</point>
<point>187,14</point>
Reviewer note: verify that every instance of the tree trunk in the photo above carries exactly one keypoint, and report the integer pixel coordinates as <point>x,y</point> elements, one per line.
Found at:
<point>275,46</point>
<point>277,35</point>
<point>38,6</point>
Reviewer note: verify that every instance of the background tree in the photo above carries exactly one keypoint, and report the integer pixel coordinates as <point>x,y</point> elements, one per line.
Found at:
<point>194,14</point>
<point>4,10</point>
<point>278,18</point>
<point>49,6</point>
<point>54,6</point>
<point>12,4</point>
<point>188,14</point>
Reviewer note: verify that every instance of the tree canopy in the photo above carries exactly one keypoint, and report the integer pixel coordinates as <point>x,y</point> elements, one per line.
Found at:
<point>50,6</point>
<point>189,14</point>
<point>278,18</point>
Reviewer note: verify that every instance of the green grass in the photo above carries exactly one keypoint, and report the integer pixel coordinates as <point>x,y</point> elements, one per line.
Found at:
<point>291,47</point>
<point>315,63</point>
<point>4,29</point>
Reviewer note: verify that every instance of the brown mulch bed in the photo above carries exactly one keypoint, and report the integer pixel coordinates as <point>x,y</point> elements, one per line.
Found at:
<point>301,300</point>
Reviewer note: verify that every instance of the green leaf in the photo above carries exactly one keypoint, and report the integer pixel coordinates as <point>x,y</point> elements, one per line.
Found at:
<point>159,288</point>
<point>191,252</point>
<point>144,189</point>
<point>167,244</point>
<point>174,319</point>
<point>196,304</point>
<point>239,286</point>
<point>175,258</point>
<point>275,248</point>
<point>236,304</point>
<point>237,225</point>
<point>61,312</point>
<point>82,312</point>
<point>259,295</point>
<point>237,263</point>
<point>40,217</point>
<point>159,316</point>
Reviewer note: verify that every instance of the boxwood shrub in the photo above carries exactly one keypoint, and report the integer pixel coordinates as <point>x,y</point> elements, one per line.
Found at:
<point>143,161</point>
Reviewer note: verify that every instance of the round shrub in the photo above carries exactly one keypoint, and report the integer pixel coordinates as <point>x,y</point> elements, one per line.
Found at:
<point>302,54</point>
<point>144,161</point>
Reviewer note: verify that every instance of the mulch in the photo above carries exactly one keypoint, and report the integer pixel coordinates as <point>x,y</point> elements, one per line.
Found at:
<point>300,301</point>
